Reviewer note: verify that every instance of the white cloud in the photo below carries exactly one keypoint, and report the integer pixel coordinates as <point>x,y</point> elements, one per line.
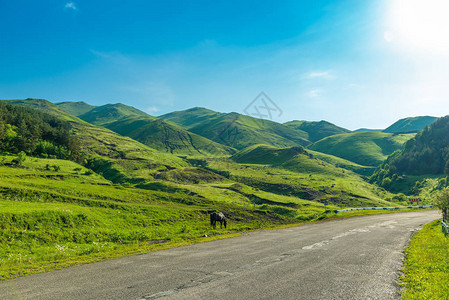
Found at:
<point>314,93</point>
<point>152,110</point>
<point>320,75</point>
<point>70,5</point>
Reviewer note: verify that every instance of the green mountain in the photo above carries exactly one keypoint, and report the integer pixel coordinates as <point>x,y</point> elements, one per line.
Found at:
<point>116,157</point>
<point>412,124</point>
<point>112,112</point>
<point>46,107</point>
<point>364,148</point>
<point>317,130</point>
<point>236,130</point>
<point>151,131</point>
<point>368,130</point>
<point>190,117</point>
<point>75,108</point>
<point>427,154</point>
<point>167,137</point>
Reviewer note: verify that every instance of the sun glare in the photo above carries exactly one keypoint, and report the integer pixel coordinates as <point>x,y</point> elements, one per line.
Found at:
<point>422,24</point>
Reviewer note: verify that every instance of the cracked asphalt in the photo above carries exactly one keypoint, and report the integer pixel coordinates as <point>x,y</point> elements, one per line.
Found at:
<point>354,258</point>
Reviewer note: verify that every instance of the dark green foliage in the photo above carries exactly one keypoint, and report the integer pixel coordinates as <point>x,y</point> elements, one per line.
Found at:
<point>317,130</point>
<point>427,153</point>
<point>19,160</point>
<point>35,133</point>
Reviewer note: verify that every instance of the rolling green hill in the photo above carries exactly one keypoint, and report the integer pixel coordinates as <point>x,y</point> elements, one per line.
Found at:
<point>190,117</point>
<point>317,130</point>
<point>116,157</point>
<point>75,108</point>
<point>294,171</point>
<point>364,148</point>
<point>343,163</point>
<point>108,113</point>
<point>368,130</point>
<point>46,107</point>
<point>151,131</point>
<point>167,137</point>
<point>237,130</point>
<point>412,124</point>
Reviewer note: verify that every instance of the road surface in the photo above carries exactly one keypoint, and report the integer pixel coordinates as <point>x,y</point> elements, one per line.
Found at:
<point>355,258</point>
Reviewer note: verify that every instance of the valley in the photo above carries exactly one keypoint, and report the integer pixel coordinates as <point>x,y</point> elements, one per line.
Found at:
<point>140,183</point>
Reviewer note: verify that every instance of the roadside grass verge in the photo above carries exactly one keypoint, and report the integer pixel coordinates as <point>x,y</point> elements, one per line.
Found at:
<point>426,271</point>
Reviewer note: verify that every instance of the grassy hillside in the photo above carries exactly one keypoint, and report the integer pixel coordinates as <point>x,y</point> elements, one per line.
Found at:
<point>294,171</point>
<point>368,130</point>
<point>75,108</point>
<point>190,117</point>
<point>343,163</point>
<point>364,148</point>
<point>412,124</point>
<point>151,131</point>
<point>167,137</point>
<point>117,157</point>
<point>110,113</point>
<point>236,130</point>
<point>317,130</point>
<point>239,131</point>
<point>46,107</point>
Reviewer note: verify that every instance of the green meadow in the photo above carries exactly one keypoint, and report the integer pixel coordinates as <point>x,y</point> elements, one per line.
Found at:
<point>55,213</point>
<point>426,271</point>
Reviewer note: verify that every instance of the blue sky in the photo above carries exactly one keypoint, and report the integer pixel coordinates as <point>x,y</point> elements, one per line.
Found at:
<point>354,63</point>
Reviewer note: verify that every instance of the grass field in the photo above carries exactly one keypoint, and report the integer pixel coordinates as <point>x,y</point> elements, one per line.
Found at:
<point>55,213</point>
<point>426,272</point>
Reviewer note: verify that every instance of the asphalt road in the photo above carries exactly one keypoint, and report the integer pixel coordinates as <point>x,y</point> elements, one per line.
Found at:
<point>356,258</point>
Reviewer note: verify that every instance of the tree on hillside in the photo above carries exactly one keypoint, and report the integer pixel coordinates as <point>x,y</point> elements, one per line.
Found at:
<point>442,201</point>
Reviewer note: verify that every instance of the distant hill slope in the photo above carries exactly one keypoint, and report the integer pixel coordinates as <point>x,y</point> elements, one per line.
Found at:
<point>151,131</point>
<point>116,157</point>
<point>45,106</point>
<point>190,117</point>
<point>294,171</point>
<point>368,130</point>
<point>264,154</point>
<point>364,148</point>
<point>110,113</point>
<point>317,130</point>
<point>75,108</point>
<point>426,153</point>
<point>412,124</point>
<point>237,130</point>
<point>420,165</point>
<point>167,137</point>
